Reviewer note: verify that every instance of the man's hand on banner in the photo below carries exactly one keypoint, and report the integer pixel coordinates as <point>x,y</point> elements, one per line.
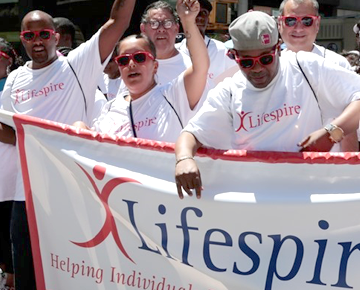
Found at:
<point>317,141</point>
<point>187,176</point>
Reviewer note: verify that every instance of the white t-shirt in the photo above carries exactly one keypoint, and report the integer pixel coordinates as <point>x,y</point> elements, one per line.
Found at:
<point>171,68</point>
<point>8,167</point>
<point>328,55</point>
<point>53,92</point>
<point>113,87</point>
<point>219,61</point>
<point>237,115</point>
<point>153,117</point>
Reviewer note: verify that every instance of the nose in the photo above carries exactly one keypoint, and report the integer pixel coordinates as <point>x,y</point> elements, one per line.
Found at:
<point>161,28</point>
<point>257,66</point>
<point>132,63</point>
<point>37,39</point>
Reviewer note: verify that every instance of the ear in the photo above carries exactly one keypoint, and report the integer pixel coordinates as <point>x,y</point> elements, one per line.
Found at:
<point>156,65</point>
<point>279,23</point>
<point>57,38</point>
<point>318,23</point>
<point>142,28</point>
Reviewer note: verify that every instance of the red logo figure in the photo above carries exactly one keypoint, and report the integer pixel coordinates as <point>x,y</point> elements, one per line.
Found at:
<point>242,117</point>
<point>109,224</point>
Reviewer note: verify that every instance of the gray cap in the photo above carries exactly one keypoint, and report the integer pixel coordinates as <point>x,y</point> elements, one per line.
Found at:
<point>254,30</point>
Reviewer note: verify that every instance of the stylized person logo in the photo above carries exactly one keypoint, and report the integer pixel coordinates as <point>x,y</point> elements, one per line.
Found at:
<point>109,224</point>
<point>242,118</point>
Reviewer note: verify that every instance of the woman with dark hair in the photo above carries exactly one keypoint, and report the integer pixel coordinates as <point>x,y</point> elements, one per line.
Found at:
<point>9,61</point>
<point>148,110</point>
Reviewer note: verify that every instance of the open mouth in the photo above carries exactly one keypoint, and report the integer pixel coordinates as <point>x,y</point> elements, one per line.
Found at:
<point>38,49</point>
<point>161,38</point>
<point>133,75</point>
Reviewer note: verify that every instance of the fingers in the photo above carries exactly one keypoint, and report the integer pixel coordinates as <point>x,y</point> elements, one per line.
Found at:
<point>179,190</point>
<point>188,184</point>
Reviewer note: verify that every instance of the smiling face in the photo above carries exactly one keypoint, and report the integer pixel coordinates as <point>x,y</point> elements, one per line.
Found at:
<point>299,37</point>
<point>202,20</point>
<point>260,75</point>
<point>138,77</point>
<point>163,38</point>
<point>42,52</point>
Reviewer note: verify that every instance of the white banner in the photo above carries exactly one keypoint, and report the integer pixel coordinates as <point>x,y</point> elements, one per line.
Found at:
<point>104,214</point>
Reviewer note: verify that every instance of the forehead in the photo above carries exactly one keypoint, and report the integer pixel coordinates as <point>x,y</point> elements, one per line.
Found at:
<point>37,21</point>
<point>132,44</point>
<point>160,14</point>
<point>303,8</point>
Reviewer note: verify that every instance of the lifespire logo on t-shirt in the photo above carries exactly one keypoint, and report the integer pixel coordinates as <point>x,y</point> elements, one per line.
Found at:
<point>249,121</point>
<point>24,95</point>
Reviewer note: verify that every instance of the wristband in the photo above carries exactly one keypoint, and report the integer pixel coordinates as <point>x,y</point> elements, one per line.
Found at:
<point>183,158</point>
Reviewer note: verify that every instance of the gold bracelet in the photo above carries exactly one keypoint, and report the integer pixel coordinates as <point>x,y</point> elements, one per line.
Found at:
<point>183,158</point>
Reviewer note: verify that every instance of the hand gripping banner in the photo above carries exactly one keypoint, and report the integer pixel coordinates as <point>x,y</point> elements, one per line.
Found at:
<point>104,214</point>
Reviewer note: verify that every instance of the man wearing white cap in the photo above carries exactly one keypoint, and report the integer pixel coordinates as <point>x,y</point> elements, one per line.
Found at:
<point>268,105</point>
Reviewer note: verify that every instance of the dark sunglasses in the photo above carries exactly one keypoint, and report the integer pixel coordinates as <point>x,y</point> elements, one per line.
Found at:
<point>307,21</point>
<point>44,34</point>
<point>138,57</point>
<point>249,62</point>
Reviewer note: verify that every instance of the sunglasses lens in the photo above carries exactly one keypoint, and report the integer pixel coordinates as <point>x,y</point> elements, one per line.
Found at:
<point>123,60</point>
<point>44,34</point>
<point>267,59</point>
<point>140,57</point>
<point>29,36</point>
<point>246,63</point>
<point>290,21</point>
<point>307,21</point>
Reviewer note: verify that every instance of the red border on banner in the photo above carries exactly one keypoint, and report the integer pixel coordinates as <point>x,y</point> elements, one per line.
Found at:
<point>231,155</point>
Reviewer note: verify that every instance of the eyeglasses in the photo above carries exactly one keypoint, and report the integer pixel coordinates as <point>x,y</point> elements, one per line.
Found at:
<point>167,23</point>
<point>138,57</point>
<point>290,21</point>
<point>44,34</point>
<point>4,55</point>
<point>249,62</point>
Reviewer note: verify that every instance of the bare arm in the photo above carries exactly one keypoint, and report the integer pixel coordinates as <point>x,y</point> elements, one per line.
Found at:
<point>7,134</point>
<point>115,27</point>
<point>348,121</point>
<point>187,175</point>
<point>195,76</point>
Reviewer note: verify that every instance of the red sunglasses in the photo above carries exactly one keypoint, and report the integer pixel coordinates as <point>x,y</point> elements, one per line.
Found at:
<point>4,55</point>
<point>290,21</point>
<point>138,57</point>
<point>249,62</point>
<point>44,34</point>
